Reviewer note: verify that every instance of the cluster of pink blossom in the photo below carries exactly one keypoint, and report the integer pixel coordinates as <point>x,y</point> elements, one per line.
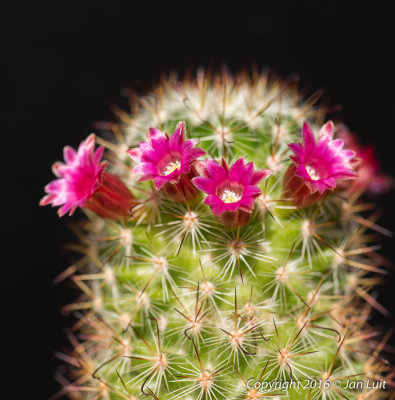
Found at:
<point>172,162</point>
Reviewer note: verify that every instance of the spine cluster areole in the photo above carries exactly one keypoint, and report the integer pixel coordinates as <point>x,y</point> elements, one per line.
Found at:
<point>229,251</point>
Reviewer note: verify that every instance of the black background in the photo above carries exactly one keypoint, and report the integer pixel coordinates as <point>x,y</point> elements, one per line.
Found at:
<point>66,63</point>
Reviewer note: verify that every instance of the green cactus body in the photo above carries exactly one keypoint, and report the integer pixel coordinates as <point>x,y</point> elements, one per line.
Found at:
<point>175,305</point>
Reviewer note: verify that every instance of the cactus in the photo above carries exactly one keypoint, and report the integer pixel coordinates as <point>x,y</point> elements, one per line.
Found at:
<point>224,254</point>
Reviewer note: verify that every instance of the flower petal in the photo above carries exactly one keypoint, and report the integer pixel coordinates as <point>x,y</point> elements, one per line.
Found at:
<point>160,181</point>
<point>69,154</point>
<point>135,154</point>
<point>177,138</point>
<point>205,185</point>
<point>146,170</point>
<point>260,175</point>
<point>308,137</point>
<point>327,130</point>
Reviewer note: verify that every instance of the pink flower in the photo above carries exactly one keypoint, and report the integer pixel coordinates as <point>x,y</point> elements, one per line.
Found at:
<point>78,179</point>
<point>230,189</point>
<point>165,159</point>
<point>320,164</point>
<point>369,176</point>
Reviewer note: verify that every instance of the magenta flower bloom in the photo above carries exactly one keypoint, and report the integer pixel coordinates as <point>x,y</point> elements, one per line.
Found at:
<point>78,179</point>
<point>165,159</point>
<point>369,176</point>
<point>321,163</point>
<point>230,189</point>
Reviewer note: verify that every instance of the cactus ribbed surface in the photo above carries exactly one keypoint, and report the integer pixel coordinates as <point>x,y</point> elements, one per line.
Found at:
<point>270,282</point>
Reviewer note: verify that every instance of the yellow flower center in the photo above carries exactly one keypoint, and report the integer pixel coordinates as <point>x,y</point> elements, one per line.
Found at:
<point>312,173</point>
<point>228,196</point>
<point>172,166</point>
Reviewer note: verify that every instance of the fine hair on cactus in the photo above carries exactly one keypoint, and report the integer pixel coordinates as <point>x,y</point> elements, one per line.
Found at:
<point>227,249</point>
